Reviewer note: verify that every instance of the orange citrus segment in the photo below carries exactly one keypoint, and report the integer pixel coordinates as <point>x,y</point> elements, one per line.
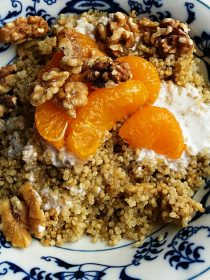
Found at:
<point>51,121</point>
<point>154,128</point>
<point>104,108</point>
<point>83,45</point>
<point>54,62</point>
<point>58,144</point>
<point>145,72</point>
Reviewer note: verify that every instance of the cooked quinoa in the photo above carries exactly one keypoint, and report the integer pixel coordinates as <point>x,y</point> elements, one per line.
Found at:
<point>111,196</point>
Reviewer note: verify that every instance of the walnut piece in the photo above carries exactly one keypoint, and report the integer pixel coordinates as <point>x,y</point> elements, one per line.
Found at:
<point>48,86</point>
<point>64,21</point>
<point>104,70</point>
<point>70,61</point>
<point>47,45</point>
<point>23,29</point>
<point>7,70</point>
<point>22,217</point>
<point>118,35</point>
<point>170,36</point>
<point>14,222</point>
<point>73,95</point>
<point>36,216</point>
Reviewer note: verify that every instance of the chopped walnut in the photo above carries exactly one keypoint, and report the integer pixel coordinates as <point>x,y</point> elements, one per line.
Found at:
<point>6,76</point>
<point>70,60</point>
<point>23,29</point>
<point>7,70</point>
<point>36,216</point>
<point>73,95</point>
<point>14,222</point>
<point>21,218</point>
<point>120,34</point>
<point>104,70</point>
<point>5,87</point>
<point>64,21</point>
<point>170,36</point>
<point>49,85</point>
<point>47,45</point>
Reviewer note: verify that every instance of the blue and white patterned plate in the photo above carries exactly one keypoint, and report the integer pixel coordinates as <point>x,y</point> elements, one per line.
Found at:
<point>182,253</point>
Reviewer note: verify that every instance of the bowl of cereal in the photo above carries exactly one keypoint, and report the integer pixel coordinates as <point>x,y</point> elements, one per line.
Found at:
<point>105,139</point>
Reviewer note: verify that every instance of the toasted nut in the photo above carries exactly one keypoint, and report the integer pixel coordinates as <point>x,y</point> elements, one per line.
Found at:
<point>120,34</point>
<point>14,222</point>
<point>73,95</point>
<point>7,70</point>
<point>49,85</point>
<point>47,45</point>
<point>170,36</point>
<point>36,216</point>
<point>103,70</point>
<point>70,60</point>
<point>23,29</point>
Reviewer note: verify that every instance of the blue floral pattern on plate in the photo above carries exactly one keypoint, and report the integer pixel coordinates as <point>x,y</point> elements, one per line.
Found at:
<point>79,7</point>
<point>166,249</point>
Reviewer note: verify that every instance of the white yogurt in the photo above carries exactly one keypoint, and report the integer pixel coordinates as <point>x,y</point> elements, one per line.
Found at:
<point>192,114</point>
<point>84,27</point>
<point>152,157</point>
<point>62,158</point>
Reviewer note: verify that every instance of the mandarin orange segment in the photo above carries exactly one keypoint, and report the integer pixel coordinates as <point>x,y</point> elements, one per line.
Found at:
<point>83,45</point>
<point>58,144</point>
<point>105,107</point>
<point>145,72</point>
<point>51,121</point>
<point>154,128</point>
<point>54,62</point>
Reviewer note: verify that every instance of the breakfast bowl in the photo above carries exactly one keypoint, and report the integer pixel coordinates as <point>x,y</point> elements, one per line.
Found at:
<point>166,250</point>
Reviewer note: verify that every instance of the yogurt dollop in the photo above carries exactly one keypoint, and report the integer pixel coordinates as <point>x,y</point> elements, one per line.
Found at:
<point>191,112</point>
<point>193,115</point>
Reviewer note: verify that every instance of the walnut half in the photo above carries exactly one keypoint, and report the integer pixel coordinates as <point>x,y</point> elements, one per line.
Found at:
<point>118,35</point>
<point>104,70</point>
<point>22,217</point>
<point>170,36</point>
<point>73,95</point>
<point>70,61</point>
<point>23,29</point>
<point>48,86</point>
<point>33,201</point>
<point>14,222</point>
